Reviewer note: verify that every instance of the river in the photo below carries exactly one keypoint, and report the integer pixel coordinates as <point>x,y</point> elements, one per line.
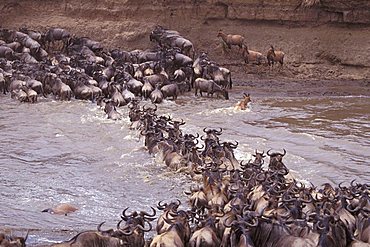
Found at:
<point>53,152</point>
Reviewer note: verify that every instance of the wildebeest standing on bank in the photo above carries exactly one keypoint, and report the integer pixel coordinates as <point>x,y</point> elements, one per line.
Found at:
<point>56,34</point>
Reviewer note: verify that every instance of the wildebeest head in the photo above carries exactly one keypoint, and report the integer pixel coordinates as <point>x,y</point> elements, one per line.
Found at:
<point>276,156</point>
<point>258,158</point>
<point>246,98</point>
<point>12,241</point>
<point>225,93</point>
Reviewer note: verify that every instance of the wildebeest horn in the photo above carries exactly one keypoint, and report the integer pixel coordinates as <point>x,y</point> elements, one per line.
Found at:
<point>340,186</point>
<point>243,165</point>
<point>102,231</point>
<point>126,233</point>
<point>232,222</point>
<point>253,224</point>
<point>188,193</point>
<point>99,226</point>
<point>130,215</point>
<point>147,214</point>
<point>161,206</point>
<point>143,229</point>
<point>352,183</point>
<point>284,152</point>
<point>256,152</point>
<point>198,170</point>
<point>353,210</point>
<point>118,224</point>
<point>25,238</point>
<point>268,152</point>
<point>178,203</point>
<point>234,145</point>
<point>205,130</point>
<point>199,148</point>
<point>283,171</point>
<point>288,198</point>
<point>182,122</point>
<point>218,132</point>
<point>318,225</point>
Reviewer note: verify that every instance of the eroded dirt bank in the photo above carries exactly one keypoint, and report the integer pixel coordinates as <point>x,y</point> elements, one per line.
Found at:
<point>326,42</point>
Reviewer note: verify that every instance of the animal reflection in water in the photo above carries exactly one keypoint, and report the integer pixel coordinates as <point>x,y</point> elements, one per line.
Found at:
<point>63,208</point>
<point>243,104</point>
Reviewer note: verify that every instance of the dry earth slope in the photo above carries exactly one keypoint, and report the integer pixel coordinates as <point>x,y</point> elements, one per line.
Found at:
<point>322,39</point>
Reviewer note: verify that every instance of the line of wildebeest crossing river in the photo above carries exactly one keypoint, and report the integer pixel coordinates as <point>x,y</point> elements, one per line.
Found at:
<point>258,202</point>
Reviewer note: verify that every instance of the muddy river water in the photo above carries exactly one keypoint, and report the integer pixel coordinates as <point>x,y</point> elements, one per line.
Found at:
<point>53,152</point>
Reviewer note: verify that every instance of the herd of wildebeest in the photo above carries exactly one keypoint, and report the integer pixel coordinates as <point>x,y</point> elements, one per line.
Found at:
<point>233,203</point>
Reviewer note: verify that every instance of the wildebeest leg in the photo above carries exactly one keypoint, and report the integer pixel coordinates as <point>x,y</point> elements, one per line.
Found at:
<point>281,65</point>
<point>47,45</point>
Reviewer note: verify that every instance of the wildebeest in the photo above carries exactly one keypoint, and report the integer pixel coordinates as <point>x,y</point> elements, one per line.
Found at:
<point>6,52</point>
<point>220,75</point>
<point>209,87</point>
<point>56,34</point>
<point>63,208</point>
<point>3,84</point>
<point>55,85</point>
<point>12,241</point>
<point>91,239</point>
<point>172,39</point>
<point>110,109</point>
<point>156,96</point>
<point>174,89</point>
<point>147,89</point>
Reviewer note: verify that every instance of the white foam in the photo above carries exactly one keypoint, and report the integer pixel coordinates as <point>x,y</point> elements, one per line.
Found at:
<point>225,110</point>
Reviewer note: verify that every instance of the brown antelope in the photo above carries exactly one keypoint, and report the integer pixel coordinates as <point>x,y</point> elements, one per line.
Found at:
<point>231,39</point>
<point>242,105</point>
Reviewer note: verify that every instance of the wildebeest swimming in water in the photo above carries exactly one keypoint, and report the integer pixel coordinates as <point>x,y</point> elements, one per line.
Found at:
<point>63,208</point>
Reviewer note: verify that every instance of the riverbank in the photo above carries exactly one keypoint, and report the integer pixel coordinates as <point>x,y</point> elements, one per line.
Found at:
<point>324,42</point>
<point>287,87</point>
